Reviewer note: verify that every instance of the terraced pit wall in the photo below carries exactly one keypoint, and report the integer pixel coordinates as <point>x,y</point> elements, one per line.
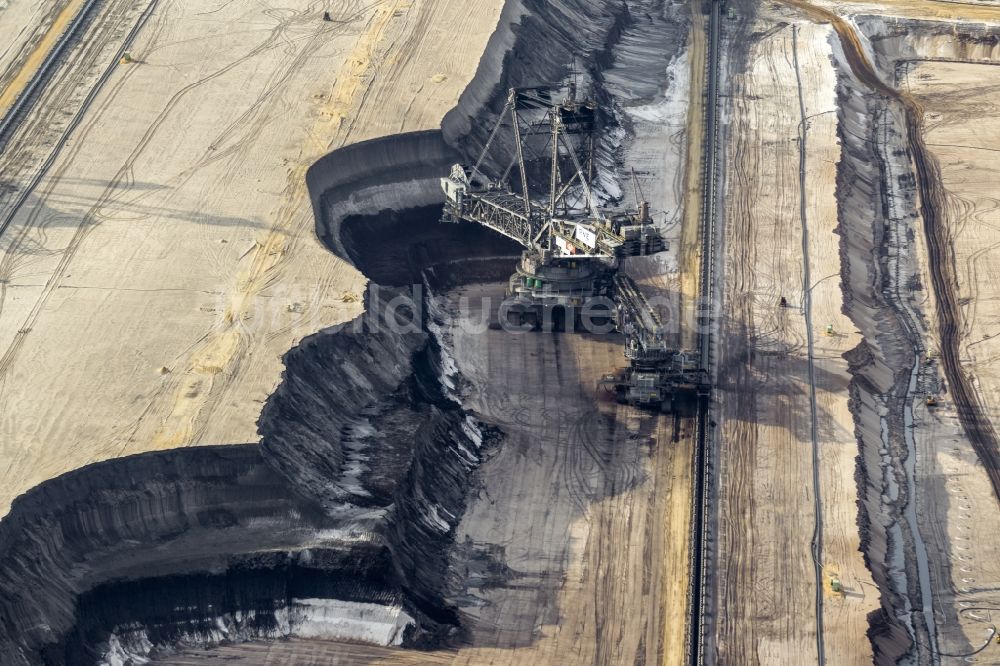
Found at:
<point>879,222</point>
<point>326,520</point>
<point>879,366</point>
<point>339,524</point>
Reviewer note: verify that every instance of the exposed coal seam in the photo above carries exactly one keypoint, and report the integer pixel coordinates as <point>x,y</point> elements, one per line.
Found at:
<point>941,262</point>
<point>77,552</point>
<point>877,385</point>
<point>69,534</point>
<point>575,34</point>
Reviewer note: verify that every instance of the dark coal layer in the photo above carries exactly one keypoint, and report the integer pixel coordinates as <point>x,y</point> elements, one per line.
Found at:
<point>172,512</point>
<point>353,495</point>
<point>407,243</point>
<point>537,42</point>
<point>362,422</point>
<point>878,385</point>
<point>877,223</point>
<point>394,172</point>
<point>365,462</point>
<point>252,591</point>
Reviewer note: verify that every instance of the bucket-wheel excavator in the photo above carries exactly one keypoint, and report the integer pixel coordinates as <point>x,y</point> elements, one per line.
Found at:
<point>569,270</point>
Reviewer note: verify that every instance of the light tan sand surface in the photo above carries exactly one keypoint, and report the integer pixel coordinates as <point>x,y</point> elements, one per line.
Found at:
<point>29,30</point>
<point>767,583</point>
<point>168,257</point>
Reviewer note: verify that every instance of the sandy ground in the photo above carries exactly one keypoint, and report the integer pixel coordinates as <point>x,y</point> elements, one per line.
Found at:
<point>953,495</point>
<point>305,653</point>
<point>590,506</point>
<point>148,291</point>
<point>689,245</point>
<point>961,101</point>
<point>168,258</point>
<point>767,582</point>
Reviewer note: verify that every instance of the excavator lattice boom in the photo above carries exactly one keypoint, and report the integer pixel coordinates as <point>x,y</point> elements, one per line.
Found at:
<point>573,248</point>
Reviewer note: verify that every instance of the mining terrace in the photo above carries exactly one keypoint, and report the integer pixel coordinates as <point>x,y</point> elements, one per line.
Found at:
<point>294,367</point>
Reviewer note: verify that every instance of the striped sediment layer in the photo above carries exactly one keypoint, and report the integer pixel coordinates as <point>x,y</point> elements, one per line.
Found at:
<point>339,525</point>
<point>878,187</point>
<point>336,526</point>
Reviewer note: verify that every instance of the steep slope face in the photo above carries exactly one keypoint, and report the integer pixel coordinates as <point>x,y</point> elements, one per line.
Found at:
<point>537,42</point>
<point>892,211</point>
<point>170,513</point>
<point>394,172</point>
<point>362,422</point>
<point>378,205</point>
<point>348,537</point>
<point>881,365</point>
<point>341,524</point>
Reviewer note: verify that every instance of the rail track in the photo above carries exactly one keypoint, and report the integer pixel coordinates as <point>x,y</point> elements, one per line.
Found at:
<point>701,495</point>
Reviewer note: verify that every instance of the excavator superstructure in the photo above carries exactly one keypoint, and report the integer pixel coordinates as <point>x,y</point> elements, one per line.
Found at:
<point>573,248</point>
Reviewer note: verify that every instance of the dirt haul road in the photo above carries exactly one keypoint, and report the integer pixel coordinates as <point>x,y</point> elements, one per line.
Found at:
<point>959,99</point>
<point>938,599</point>
<point>978,427</point>
<point>787,506</point>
